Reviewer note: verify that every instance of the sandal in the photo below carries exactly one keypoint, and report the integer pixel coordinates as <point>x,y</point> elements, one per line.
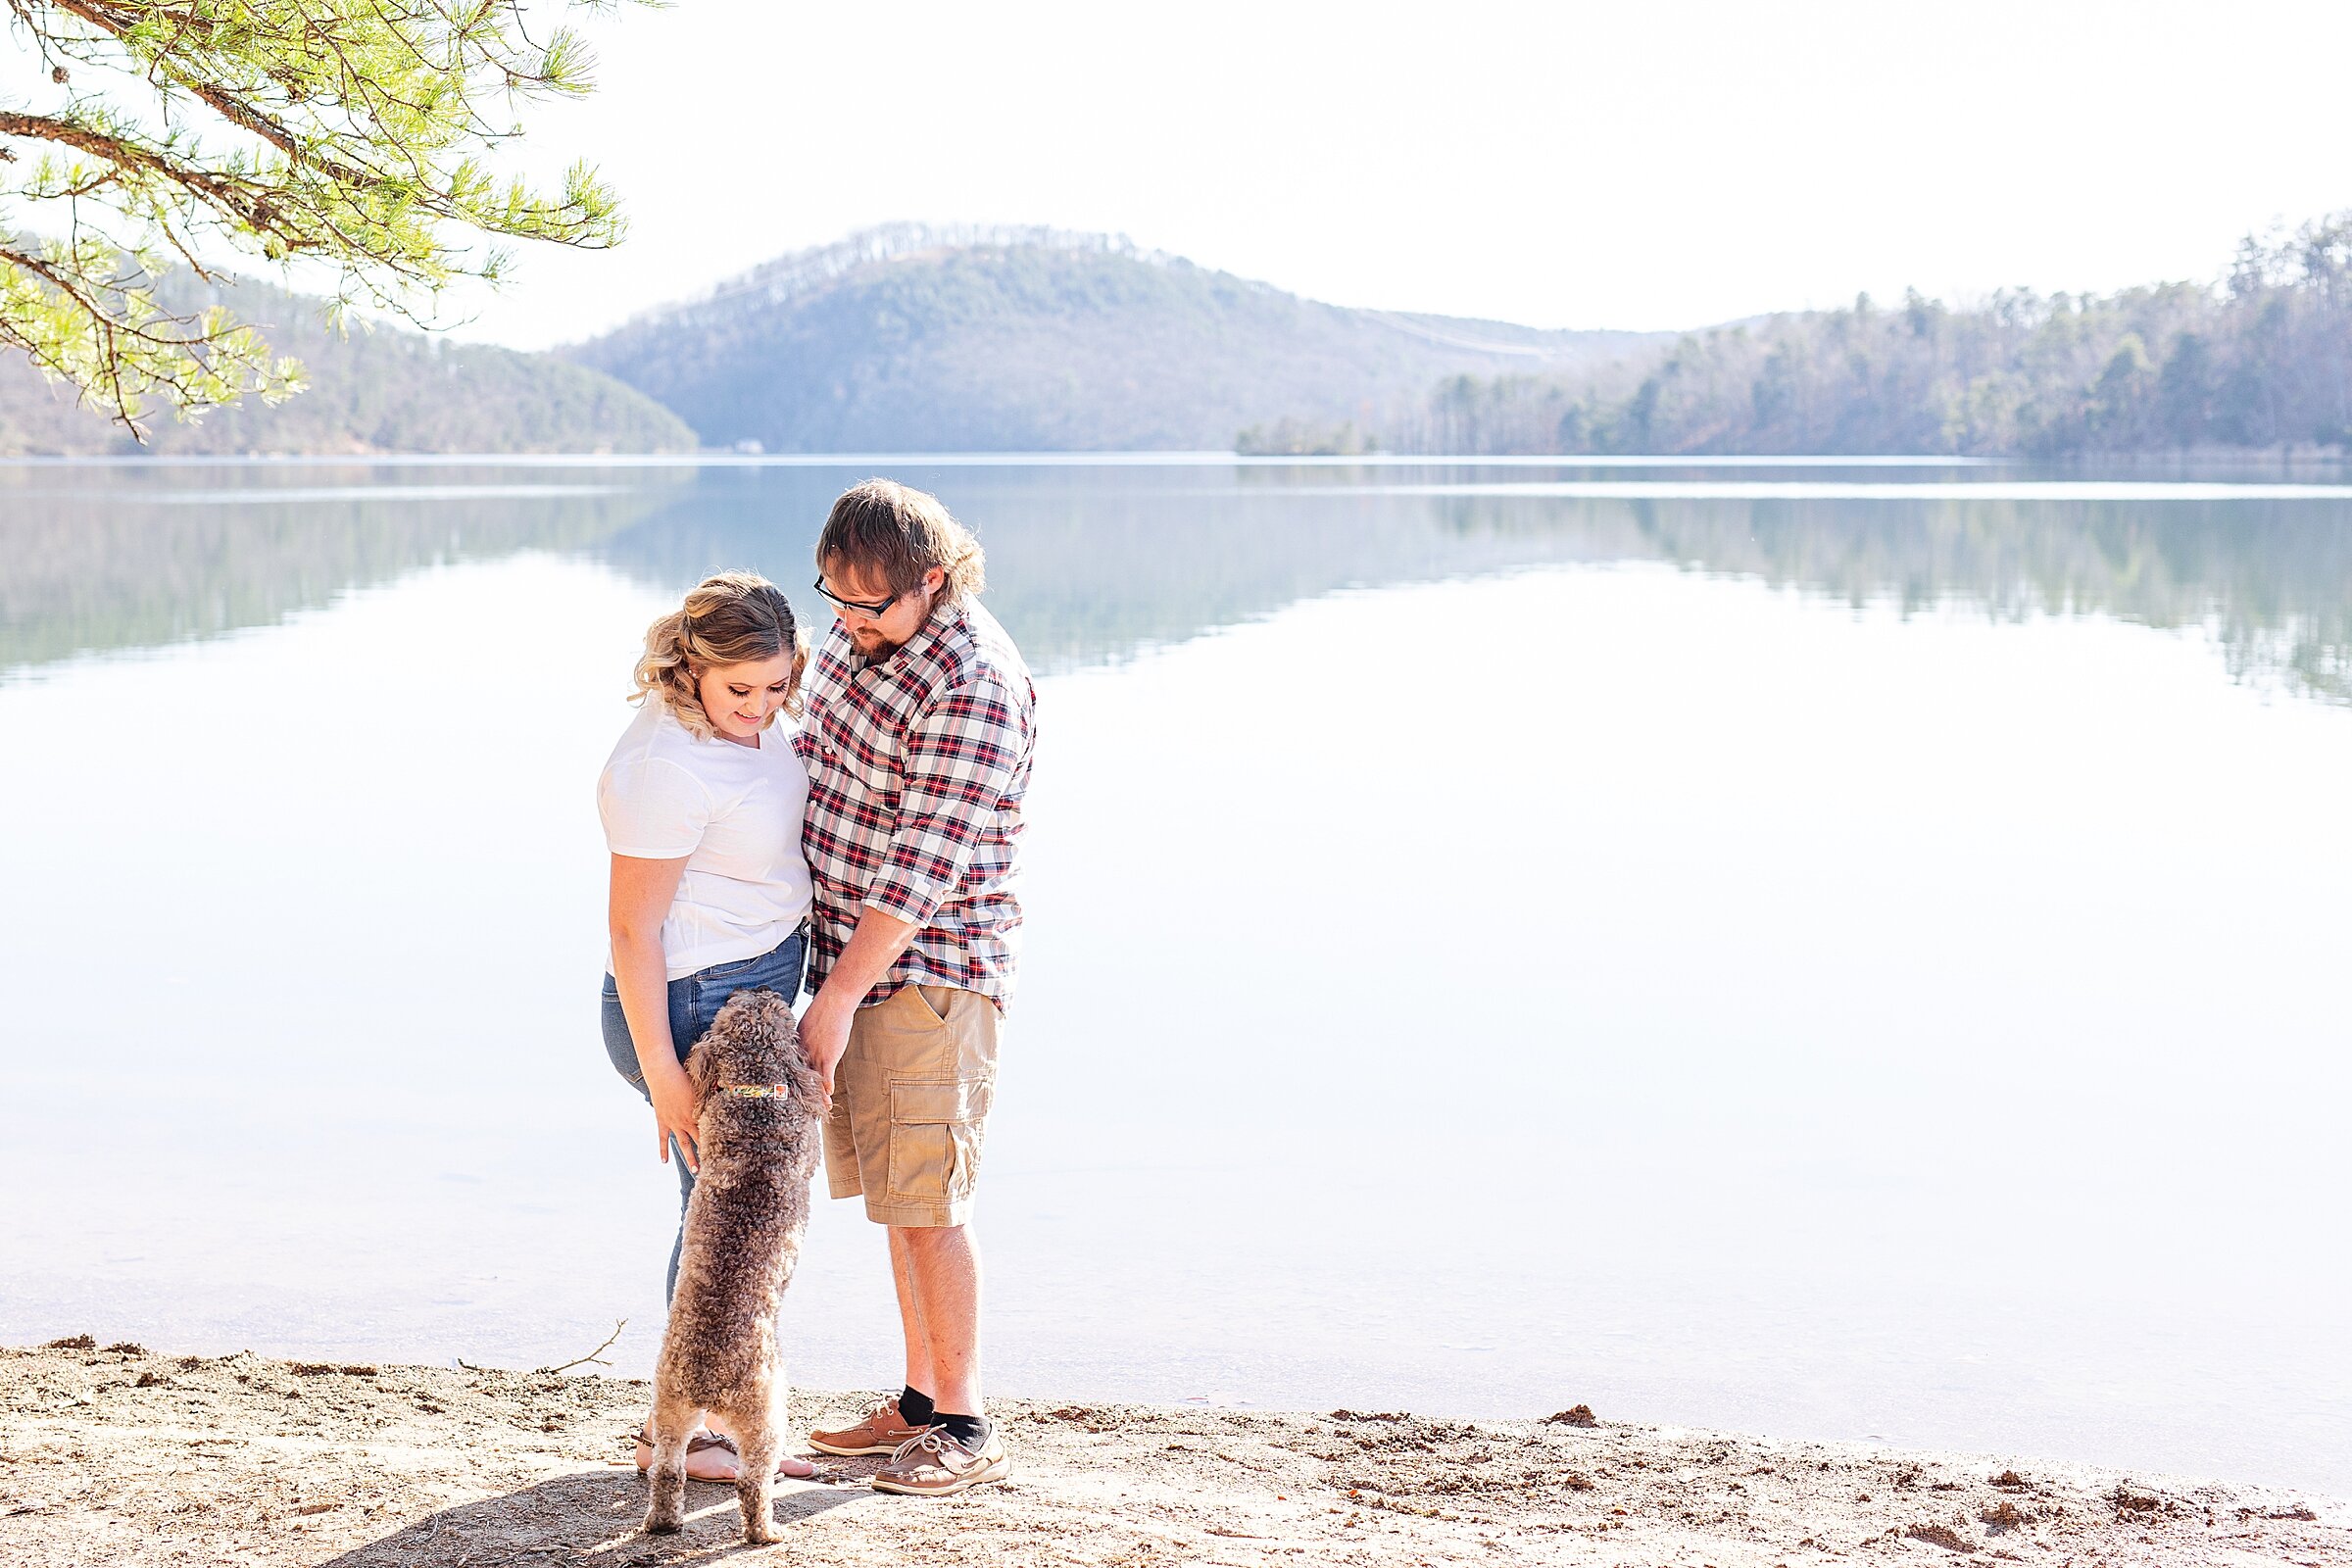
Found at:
<point>701,1442</point>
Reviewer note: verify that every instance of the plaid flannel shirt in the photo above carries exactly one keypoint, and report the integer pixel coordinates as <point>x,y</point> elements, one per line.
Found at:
<point>918,764</point>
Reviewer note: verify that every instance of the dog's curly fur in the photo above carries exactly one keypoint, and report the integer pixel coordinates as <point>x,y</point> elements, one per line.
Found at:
<point>743,1236</point>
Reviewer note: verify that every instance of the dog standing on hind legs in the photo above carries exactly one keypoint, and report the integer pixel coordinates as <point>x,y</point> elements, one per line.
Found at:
<point>759,1107</point>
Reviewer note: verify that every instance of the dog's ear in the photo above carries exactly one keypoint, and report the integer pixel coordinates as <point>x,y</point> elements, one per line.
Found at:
<point>702,1066</point>
<point>783,1033</point>
<point>799,1071</point>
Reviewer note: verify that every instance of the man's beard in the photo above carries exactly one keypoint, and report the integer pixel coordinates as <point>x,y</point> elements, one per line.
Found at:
<point>873,645</point>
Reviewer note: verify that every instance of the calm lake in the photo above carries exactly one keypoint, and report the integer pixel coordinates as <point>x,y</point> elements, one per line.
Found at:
<point>1827,950</point>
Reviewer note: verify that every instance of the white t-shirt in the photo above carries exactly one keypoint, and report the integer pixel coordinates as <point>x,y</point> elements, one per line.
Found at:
<point>732,811</point>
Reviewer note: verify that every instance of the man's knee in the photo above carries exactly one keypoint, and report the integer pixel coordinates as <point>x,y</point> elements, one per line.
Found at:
<point>925,1240</point>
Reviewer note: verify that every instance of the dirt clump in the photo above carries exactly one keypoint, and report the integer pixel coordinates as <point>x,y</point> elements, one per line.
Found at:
<point>1944,1536</point>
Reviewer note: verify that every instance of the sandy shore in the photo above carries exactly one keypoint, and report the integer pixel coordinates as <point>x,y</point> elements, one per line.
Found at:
<point>115,1455</point>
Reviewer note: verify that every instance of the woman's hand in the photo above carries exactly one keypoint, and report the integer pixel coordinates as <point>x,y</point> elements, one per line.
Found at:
<point>674,1115</point>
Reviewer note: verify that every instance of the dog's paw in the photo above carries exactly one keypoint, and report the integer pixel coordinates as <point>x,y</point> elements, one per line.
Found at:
<point>761,1533</point>
<point>657,1523</point>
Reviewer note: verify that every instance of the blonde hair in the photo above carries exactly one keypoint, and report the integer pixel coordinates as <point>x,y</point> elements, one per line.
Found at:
<point>736,617</point>
<point>898,533</point>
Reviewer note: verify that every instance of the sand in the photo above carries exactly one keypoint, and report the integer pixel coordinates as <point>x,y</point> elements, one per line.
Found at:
<point>115,1455</point>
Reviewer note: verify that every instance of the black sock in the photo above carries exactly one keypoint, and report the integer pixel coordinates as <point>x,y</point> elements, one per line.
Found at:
<point>969,1429</point>
<point>915,1409</point>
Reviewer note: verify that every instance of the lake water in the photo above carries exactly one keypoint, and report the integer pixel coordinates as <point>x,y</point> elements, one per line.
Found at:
<point>1837,951</point>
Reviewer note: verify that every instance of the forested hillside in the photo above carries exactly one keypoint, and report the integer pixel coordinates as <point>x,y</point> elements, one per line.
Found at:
<point>383,390</point>
<point>2262,357</point>
<point>911,339</point>
<point>908,338</point>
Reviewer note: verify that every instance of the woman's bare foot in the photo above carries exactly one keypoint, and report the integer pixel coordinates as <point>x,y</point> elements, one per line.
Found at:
<point>712,1456</point>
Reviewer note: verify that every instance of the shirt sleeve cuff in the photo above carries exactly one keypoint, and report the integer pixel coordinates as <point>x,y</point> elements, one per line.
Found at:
<point>914,902</point>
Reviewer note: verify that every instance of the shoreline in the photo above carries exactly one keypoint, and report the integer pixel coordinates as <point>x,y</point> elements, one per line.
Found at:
<point>119,1454</point>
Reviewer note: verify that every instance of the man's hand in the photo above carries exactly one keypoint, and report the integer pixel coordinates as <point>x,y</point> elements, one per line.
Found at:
<point>874,947</point>
<point>824,1036</point>
<point>675,1116</point>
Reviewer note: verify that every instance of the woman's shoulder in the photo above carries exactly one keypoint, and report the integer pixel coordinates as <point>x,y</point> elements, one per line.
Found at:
<point>654,804</point>
<point>655,742</point>
<point>647,731</point>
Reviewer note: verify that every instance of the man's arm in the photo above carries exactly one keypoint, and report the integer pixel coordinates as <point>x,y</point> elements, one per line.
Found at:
<point>962,753</point>
<point>874,947</point>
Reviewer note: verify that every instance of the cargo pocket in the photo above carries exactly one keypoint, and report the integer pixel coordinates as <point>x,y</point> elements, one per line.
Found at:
<point>935,1131</point>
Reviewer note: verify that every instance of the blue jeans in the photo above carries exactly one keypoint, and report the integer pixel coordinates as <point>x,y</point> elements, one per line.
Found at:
<point>694,1004</point>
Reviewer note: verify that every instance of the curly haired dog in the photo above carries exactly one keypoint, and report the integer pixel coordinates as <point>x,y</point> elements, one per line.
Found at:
<point>757,1131</point>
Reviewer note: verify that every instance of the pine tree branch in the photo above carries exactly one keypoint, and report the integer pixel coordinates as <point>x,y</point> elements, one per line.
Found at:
<point>357,127</point>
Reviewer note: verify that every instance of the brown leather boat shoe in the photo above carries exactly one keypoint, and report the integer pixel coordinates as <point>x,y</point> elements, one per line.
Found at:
<point>881,1432</point>
<point>933,1464</point>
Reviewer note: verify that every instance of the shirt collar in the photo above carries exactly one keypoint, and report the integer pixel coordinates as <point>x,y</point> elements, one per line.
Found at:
<point>945,616</point>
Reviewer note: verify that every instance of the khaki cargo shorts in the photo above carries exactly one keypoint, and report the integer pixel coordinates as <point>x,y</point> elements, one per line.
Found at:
<point>911,1098</point>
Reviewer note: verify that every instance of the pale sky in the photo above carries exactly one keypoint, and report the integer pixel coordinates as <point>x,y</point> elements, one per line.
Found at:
<point>1656,165</point>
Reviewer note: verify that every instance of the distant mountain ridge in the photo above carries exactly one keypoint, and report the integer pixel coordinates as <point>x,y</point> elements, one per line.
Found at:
<point>913,337</point>
<point>383,390</point>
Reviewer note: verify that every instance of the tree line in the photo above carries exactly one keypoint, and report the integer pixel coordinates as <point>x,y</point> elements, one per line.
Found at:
<point>385,389</point>
<point>2260,358</point>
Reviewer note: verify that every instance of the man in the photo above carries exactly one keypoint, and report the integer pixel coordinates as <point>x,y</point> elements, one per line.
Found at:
<point>917,738</point>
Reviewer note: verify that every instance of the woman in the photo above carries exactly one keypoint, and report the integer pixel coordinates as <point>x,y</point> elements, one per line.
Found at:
<point>701,803</point>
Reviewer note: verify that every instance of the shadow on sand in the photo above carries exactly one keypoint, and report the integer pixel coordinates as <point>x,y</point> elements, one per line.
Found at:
<point>593,1517</point>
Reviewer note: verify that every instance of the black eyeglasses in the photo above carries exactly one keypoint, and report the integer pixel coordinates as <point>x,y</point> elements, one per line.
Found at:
<point>876,608</point>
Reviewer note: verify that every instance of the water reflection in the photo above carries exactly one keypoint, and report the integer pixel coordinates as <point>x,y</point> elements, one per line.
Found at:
<point>103,559</point>
<point>1090,563</point>
<point>1793,1029</point>
<point>2272,578</point>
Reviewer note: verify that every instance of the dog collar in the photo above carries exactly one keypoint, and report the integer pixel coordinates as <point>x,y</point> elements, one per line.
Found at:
<point>758,1091</point>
